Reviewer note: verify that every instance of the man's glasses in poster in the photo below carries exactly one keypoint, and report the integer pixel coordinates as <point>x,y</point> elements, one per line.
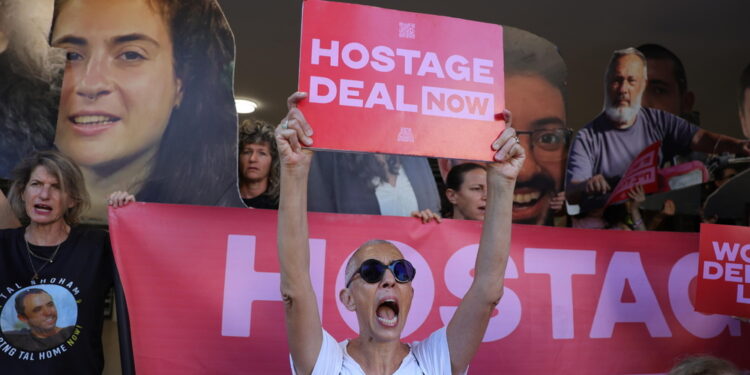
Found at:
<point>548,144</point>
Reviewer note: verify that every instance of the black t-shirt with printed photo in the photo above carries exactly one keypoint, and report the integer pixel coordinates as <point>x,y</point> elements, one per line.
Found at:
<point>67,301</point>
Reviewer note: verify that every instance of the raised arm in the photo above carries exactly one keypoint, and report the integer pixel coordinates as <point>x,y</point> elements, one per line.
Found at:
<point>467,327</point>
<point>715,143</point>
<point>303,328</point>
<point>636,197</point>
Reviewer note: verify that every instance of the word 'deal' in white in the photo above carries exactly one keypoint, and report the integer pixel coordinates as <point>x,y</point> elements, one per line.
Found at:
<point>435,101</point>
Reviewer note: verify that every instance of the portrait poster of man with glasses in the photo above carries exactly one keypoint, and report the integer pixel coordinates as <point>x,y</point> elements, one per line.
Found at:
<point>535,89</point>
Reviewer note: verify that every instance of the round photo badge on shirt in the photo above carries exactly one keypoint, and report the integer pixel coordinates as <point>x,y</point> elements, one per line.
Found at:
<point>38,322</point>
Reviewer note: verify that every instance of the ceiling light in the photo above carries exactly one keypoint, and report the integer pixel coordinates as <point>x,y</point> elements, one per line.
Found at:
<point>245,105</point>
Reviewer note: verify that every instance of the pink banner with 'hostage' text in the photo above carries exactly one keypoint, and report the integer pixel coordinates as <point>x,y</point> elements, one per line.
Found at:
<point>202,285</point>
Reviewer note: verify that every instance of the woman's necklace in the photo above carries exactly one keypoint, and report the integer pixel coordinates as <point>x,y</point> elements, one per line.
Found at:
<point>47,261</point>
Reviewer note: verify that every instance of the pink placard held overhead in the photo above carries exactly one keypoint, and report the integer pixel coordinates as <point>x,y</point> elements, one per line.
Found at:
<point>387,81</point>
<point>724,270</point>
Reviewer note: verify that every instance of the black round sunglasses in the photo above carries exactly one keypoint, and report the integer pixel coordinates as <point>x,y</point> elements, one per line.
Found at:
<point>372,271</point>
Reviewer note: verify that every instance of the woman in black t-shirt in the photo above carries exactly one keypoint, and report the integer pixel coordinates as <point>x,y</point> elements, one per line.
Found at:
<point>54,276</point>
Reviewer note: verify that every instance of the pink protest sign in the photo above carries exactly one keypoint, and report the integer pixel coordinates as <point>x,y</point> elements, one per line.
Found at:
<point>387,81</point>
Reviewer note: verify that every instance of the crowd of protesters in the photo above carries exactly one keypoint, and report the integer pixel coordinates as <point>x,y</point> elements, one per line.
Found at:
<point>640,107</point>
<point>559,177</point>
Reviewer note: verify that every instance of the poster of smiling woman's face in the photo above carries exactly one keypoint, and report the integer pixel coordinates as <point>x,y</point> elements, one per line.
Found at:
<point>145,103</point>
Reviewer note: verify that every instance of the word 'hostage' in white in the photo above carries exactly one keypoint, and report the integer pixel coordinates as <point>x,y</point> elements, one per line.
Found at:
<point>385,59</point>
<point>243,285</point>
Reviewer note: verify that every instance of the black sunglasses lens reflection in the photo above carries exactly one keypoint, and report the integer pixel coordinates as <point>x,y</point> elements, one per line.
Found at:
<point>403,271</point>
<point>372,271</point>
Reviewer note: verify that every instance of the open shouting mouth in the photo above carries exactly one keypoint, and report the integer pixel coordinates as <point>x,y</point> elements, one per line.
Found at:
<point>42,209</point>
<point>387,312</point>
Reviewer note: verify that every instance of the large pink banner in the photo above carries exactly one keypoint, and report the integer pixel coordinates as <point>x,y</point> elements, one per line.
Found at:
<point>202,285</point>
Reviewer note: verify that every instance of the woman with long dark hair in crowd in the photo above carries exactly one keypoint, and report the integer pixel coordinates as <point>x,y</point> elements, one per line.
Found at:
<point>147,103</point>
<point>54,275</point>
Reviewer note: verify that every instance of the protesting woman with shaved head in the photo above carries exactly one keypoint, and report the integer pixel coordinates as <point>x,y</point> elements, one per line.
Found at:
<point>378,279</point>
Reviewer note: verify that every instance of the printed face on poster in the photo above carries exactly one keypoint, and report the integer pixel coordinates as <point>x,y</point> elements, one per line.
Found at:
<point>724,270</point>
<point>397,82</point>
<point>168,90</point>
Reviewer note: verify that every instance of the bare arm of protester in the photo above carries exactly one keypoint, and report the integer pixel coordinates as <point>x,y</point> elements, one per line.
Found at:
<point>557,203</point>
<point>120,199</point>
<point>715,143</point>
<point>7,218</point>
<point>467,327</point>
<point>427,215</point>
<point>304,332</point>
<point>637,197</point>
